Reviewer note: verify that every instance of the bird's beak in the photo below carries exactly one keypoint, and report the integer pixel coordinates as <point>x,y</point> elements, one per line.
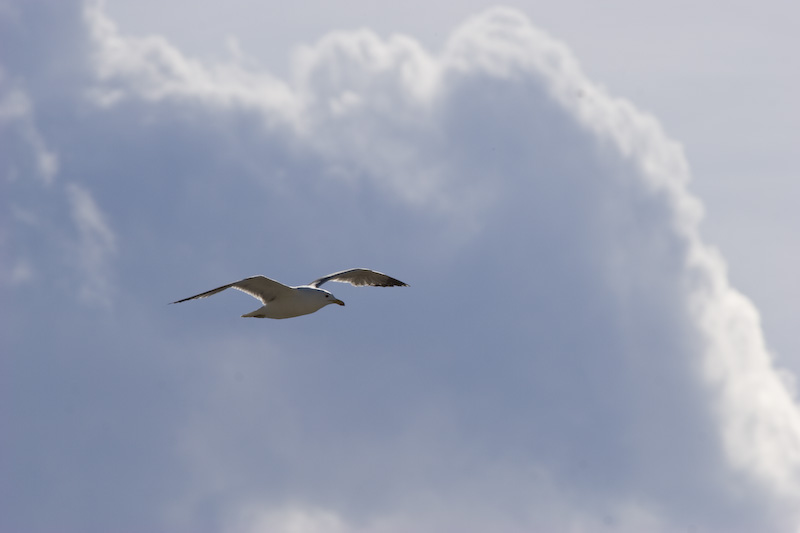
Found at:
<point>337,301</point>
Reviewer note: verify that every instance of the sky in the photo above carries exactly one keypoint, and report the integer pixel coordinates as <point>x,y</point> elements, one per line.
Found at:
<point>592,209</point>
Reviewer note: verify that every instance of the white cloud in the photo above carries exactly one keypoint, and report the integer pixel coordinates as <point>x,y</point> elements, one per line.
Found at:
<point>407,121</point>
<point>570,356</point>
<point>158,70</point>
<point>758,411</point>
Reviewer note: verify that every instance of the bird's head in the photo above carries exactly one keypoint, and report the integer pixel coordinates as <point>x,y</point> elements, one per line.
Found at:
<point>330,298</point>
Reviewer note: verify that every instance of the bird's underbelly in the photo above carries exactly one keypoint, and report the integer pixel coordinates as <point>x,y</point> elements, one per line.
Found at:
<point>285,309</point>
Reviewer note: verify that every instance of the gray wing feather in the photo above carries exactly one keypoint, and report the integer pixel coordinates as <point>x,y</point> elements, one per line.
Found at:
<point>360,277</point>
<point>258,287</point>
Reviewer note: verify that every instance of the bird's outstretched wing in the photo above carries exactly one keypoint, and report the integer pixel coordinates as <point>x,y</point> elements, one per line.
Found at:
<point>360,277</point>
<point>259,287</point>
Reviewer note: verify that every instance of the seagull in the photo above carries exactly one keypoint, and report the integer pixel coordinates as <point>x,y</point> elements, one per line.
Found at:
<point>282,301</point>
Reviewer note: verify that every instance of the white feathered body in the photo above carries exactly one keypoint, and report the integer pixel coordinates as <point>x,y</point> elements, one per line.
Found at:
<point>303,301</point>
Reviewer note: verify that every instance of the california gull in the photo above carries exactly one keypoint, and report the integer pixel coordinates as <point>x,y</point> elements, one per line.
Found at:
<point>282,301</point>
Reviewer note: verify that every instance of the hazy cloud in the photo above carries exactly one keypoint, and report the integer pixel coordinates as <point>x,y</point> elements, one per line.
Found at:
<point>96,244</point>
<point>26,154</point>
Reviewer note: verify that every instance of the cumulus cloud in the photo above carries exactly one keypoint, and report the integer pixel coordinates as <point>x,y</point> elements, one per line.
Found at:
<point>158,70</point>
<point>571,355</point>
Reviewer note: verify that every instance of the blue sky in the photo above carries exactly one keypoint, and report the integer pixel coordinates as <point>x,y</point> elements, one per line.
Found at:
<point>578,350</point>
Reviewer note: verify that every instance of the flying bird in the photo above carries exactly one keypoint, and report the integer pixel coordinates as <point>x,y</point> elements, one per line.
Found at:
<point>282,301</point>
